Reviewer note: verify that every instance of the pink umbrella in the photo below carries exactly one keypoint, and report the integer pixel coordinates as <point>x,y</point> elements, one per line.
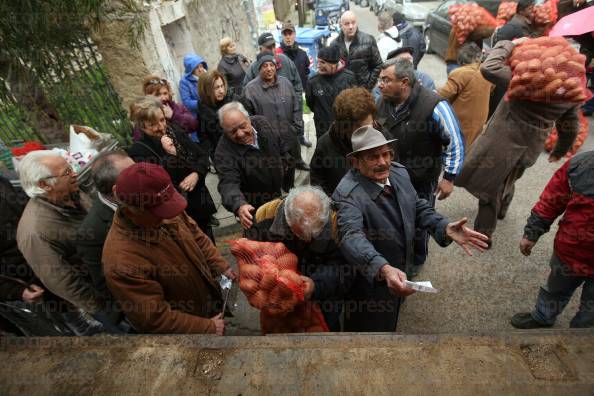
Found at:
<point>579,22</point>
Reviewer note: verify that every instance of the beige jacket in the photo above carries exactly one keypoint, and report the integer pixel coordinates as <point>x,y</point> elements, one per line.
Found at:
<point>469,93</point>
<point>47,235</point>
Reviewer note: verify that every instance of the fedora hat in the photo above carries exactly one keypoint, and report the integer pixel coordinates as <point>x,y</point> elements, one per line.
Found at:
<point>367,137</point>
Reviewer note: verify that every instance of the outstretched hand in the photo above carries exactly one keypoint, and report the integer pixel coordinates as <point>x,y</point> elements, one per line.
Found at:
<point>466,237</point>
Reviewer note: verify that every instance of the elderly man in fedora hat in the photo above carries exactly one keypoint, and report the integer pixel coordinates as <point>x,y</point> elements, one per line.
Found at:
<point>378,211</point>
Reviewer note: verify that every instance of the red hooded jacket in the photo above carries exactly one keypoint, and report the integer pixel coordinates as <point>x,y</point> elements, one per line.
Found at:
<point>570,193</point>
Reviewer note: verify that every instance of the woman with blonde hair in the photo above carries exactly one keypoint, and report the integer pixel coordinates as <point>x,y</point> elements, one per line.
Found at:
<point>232,64</point>
<point>164,143</point>
<point>175,113</point>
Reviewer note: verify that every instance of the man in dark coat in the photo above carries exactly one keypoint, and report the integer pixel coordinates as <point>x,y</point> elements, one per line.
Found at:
<point>359,50</point>
<point>510,143</point>
<point>93,230</point>
<point>290,48</point>
<point>332,78</point>
<point>428,134</point>
<point>378,212</point>
<point>519,26</point>
<point>410,37</point>
<point>272,96</point>
<point>306,224</point>
<point>250,160</point>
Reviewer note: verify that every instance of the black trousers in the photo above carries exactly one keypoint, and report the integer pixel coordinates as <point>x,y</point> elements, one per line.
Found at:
<point>370,307</point>
<point>425,190</point>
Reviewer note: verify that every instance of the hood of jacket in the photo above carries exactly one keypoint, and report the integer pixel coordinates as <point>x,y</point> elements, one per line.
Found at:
<point>191,62</point>
<point>393,31</point>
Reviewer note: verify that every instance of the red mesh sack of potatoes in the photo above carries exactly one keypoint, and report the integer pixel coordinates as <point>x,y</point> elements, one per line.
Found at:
<point>268,275</point>
<point>466,18</point>
<point>547,70</point>
<point>551,140</point>
<point>546,13</point>
<point>305,318</point>
<point>505,12</point>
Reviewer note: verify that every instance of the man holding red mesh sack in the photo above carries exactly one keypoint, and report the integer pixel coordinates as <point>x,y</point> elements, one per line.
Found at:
<point>515,134</point>
<point>306,224</point>
<point>269,278</point>
<point>470,22</point>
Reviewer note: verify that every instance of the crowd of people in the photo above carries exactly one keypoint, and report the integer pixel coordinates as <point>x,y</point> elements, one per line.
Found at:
<point>141,255</point>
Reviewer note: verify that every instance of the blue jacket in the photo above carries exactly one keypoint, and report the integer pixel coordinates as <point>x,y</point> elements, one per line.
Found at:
<point>367,232</point>
<point>188,85</point>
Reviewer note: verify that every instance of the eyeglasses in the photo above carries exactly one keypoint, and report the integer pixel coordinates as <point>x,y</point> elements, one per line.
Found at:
<point>160,81</point>
<point>67,173</point>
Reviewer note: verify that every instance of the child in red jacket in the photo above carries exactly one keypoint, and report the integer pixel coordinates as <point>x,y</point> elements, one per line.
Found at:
<point>570,190</point>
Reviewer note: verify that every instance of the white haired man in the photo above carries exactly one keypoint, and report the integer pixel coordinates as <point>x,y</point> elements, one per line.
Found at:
<point>305,222</point>
<point>47,233</point>
<point>250,160</point>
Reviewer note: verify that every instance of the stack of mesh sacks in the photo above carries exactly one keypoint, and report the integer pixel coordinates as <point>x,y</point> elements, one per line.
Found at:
<point>547,70</point>
<point>546,13</point>
<point>466,18</point>
<point>269,278</point>
<point>505,12</point>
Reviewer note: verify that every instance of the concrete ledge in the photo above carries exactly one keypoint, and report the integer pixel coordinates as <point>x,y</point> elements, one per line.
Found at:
<point>551,362</point>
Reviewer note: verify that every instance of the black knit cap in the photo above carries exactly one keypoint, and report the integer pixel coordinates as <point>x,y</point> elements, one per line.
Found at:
<point>329,54</point>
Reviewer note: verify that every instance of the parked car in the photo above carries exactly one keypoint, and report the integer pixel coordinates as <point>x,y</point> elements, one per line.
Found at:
<point>438,26</point>
<point>415,11</point>
<point>328,12</point>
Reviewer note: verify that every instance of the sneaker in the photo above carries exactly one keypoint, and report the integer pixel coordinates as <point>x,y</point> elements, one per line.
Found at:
<point>526,321</point>
<point>305,142</point>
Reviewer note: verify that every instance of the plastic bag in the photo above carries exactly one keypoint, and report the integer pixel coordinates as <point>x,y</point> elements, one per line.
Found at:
<point>268,275</point>
<point>582,135</point>
<point>305,318</point>
<point>547,70</point>
<point>466,18</point>
<point>505,12</point>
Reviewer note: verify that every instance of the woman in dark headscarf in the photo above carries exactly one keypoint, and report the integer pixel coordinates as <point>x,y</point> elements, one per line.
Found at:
<point>170,147</point>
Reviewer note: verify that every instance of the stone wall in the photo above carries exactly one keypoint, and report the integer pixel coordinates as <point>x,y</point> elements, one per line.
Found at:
<point>199,24</point>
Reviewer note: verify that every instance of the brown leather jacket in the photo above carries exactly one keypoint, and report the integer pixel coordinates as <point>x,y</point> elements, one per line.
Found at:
<point>164,279</point>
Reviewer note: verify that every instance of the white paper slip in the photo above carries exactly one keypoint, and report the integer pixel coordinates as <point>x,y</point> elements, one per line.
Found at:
<point>424,286</point>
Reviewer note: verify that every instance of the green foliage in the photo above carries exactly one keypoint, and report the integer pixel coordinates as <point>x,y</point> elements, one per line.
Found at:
<point>28,26</point>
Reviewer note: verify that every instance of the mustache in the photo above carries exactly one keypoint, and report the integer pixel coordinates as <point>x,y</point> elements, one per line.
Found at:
<point>381,168</point>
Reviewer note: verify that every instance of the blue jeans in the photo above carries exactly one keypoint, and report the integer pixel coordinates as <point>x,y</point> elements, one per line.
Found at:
<point>556,293</point>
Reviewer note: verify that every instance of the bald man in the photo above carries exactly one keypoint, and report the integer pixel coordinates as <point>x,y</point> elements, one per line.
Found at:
<point>359,50</point>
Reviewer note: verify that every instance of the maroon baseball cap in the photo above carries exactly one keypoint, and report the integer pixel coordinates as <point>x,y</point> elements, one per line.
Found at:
<point>149,186</point>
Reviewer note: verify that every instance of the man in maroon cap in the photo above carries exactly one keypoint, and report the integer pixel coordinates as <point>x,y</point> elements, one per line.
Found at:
<point>158,264</point>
